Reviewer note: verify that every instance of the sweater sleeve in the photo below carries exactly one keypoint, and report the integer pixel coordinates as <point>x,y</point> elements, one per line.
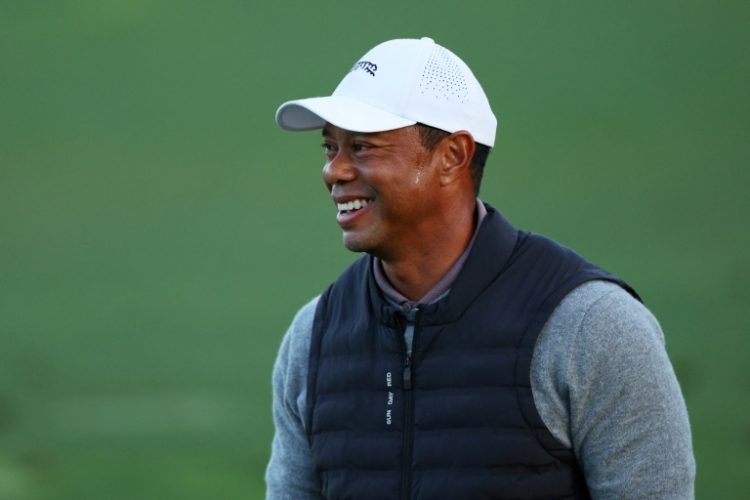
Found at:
<point>290,474</point>
<point>603,385</point>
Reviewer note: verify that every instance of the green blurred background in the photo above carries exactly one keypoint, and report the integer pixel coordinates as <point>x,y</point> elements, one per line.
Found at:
<point>158,232</point>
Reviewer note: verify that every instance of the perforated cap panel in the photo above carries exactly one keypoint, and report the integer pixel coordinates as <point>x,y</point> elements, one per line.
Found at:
<point>442,77</point>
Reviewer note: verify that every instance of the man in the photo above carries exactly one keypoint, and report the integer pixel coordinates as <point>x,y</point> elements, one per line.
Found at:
<point>459,358</point>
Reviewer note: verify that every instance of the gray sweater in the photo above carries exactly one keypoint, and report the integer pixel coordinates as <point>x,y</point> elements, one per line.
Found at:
<point>602,383</point>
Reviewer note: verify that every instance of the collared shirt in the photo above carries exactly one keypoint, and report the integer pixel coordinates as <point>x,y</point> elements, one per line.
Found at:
<point>443,286</point>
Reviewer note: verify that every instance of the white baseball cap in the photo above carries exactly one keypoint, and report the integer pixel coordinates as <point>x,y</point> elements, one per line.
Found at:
<point>396,84</point>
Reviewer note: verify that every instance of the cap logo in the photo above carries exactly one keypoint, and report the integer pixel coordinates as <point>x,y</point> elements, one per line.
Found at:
<point>366,66</point>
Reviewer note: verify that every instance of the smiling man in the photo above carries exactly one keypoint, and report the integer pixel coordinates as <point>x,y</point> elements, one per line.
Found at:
<point>459,357</point>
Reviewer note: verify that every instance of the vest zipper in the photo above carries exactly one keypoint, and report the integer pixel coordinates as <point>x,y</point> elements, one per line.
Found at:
<point>408,431</point>
<point>407,341</point>
<point>407,373</point>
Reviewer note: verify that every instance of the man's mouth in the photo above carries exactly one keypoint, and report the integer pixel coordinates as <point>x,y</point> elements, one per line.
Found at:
<point>352,206</point>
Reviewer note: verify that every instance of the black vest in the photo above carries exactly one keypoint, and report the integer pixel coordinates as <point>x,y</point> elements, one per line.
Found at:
<point>457,419</point>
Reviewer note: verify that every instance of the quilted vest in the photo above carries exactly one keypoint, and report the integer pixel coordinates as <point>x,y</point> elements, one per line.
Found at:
<point>455,419</point>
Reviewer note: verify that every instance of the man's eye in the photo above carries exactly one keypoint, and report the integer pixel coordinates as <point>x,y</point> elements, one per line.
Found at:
<point>358,147</point>
<point>328,148</point>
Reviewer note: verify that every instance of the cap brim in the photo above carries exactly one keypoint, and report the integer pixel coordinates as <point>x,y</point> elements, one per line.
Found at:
<point>344,112</point>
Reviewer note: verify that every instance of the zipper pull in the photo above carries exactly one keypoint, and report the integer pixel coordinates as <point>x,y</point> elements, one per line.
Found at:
<point>407,373</point>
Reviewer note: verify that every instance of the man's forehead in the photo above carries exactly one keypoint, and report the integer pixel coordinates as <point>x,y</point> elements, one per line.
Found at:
<point>330,130</point>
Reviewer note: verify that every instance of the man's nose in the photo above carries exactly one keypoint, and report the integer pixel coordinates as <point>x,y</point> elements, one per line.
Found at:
<point>338,170</point>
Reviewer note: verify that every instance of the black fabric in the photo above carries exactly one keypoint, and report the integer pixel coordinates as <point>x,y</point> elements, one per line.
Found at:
<point>468,427</point>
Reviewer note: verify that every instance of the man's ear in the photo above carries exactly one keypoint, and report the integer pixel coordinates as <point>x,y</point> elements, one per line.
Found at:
<point>456,152</point>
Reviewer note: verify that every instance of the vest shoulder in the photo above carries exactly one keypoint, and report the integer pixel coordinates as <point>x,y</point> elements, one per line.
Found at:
<point>544,250</point>
<point>546,245</point>
<point>357,271</point>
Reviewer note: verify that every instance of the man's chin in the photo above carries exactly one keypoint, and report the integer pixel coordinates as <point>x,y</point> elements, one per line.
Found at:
<point>355,243</point>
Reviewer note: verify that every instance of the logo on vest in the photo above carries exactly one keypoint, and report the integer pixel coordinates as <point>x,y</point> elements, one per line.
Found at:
<point>389,401</point>
<point>366,66</point>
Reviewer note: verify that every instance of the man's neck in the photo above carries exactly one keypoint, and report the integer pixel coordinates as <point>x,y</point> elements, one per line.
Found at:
<point>417,276</point>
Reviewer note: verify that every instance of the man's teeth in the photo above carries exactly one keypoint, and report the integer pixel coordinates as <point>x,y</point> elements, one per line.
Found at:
<point>352,205</point>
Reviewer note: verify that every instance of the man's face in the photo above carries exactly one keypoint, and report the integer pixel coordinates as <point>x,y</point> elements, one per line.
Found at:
<point>382,184</point>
